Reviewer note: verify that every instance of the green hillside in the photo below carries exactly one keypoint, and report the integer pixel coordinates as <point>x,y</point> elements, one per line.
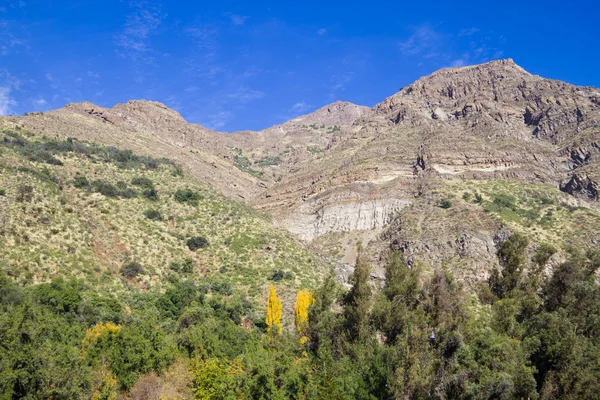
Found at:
<point>118,220</point>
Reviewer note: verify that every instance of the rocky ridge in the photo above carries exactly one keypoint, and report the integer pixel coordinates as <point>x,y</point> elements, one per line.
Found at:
<point>383,171</point>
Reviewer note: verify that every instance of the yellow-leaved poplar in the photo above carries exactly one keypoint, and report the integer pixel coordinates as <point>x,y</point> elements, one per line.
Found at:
<point>304,299</point>
<point>274,310</point>
<point>92,335</point>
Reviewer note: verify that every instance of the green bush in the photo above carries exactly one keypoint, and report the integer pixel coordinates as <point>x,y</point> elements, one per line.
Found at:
<point>445,203</point>
<point>196,242</point>
<point>221,287</point>
<point>2,192</point>
<point>150,194</point>
<point>142,182</point>
<point>80,182</point>
<point>132,269</point>
<point>105,188</point>
<point>505,201</point>
<point>187,196</point>
<point>152,214</point>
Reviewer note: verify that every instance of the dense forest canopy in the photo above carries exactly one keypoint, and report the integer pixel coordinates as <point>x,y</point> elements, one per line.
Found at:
<point>524,334</point>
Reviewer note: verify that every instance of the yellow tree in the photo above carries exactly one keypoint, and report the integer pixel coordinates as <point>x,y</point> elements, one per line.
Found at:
<point>274,309</point>
<point>304,298</point>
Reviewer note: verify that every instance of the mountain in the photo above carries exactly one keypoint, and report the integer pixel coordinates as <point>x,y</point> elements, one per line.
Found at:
<point>118,221</point>
<point>145,257</point>
<point>525,147</point>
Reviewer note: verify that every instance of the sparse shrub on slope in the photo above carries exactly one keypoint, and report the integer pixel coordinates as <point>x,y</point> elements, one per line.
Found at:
<point>131,269</point>
<point>153,214</point>
<point>187,196</point>
<point>197,242</point>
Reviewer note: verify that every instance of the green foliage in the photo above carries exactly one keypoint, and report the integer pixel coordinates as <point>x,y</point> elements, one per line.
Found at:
<point>153,214</point>
<point>187,196</point>
<point>45,151</point>
<point>357,302</point>
<point>269,160</point>
<point>197,242</point>
<point>314,149</point>
<point>81,182</point>
<point>512,258</point>
<point>131,269</point>
<point>243,164</point>
<point>2,192</point>
<point>445,203</point>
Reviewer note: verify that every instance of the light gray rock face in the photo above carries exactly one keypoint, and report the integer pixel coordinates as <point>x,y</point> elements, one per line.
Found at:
<point>341,215</point>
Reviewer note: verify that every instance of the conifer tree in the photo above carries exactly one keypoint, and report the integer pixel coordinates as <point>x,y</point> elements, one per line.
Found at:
<point>274,309</point>
<point>357,302</point>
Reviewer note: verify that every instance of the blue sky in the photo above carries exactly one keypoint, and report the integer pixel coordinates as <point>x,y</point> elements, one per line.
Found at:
<point>232,65</point>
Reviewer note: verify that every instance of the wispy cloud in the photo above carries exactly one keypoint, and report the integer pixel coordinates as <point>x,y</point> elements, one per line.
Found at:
<point>51,81</point>
<point>459,62</point>
<point>301,107</point>
<point>238,19</point>
<point>340,80</point>
<point>424,41</point>
<point>426,44</point>
<point>39,103</point>
<point>321,31</point>
<point>6,101</point>
<point>244,94</point>
<point>93,74</point>
<point>219,119</point>
<point>134,40</point>
<point>468,31</point>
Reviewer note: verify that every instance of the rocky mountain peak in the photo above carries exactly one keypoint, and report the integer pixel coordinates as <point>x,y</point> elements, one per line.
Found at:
<point>337,113</point>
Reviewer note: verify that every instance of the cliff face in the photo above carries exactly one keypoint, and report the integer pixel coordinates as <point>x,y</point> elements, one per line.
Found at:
<point>378,176</point>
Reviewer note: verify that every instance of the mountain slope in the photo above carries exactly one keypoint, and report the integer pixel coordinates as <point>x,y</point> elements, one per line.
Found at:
<point>486,123</point>
<point>76,209</point>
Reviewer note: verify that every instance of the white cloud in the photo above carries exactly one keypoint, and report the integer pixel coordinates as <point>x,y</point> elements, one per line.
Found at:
<point>51,81</point>
<point>468,31</point>
<point>301,107</point>
<point>99,93</point>
<point>41,102</point>
<point>93,74</point>
<point>238,19</point>
<point>423,42</point>
<point>321,31</point>
<point>459,62</point>
<point>6,101</point>
<point>134,41</point>
<point>219,119</point>
<point>244,94</point>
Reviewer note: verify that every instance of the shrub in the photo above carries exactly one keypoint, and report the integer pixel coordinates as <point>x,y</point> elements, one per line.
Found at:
<point>197,242</point>
<point>105,188</point>
<point>2,192</point>
<point>150,194</point>
<point>131,269</point>
<point>221,287</point>
<point>143,182</point>
<point>504,200</point>
<point>152,214</point>
<point>24,193</point>
<point>187,196</point>
<point>445,203</point>
<point>280,274</point>
<point>466,196</point>
<point>80,182</point>
<point>478,198</point>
